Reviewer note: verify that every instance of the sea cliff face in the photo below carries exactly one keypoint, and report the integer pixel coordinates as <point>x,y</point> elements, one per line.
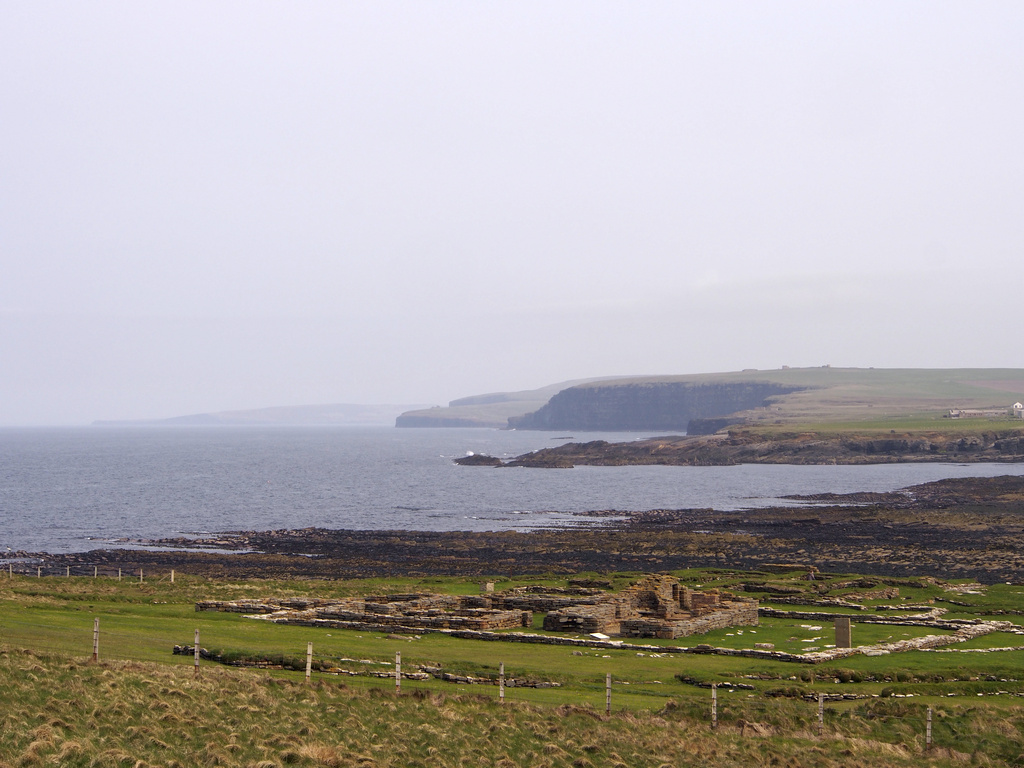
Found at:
<point>644,406</point>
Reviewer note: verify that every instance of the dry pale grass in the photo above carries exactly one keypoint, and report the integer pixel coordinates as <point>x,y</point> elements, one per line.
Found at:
<point>138,715</point>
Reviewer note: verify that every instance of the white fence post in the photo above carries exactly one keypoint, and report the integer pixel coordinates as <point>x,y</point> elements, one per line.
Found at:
<point>309,660</point>
<point>821,713</point>
<point>398,671</point>
<point>96,640</point>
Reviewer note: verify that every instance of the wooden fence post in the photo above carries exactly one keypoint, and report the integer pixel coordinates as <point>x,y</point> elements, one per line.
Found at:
<point>928,731</point>
<point>39,572</point>
<point>398,671</point>
<point>68,573</point>
<point>714,706</point>
<point>309,660</point>
<point>118,574</point>
<point>821,713</point>
<point>501,683</point>
<point>95,571</point>
<point>196,650</point>
<point>140,576</point>
<point>608,693</point>
<point>172,575</point>
<point>96,640</point>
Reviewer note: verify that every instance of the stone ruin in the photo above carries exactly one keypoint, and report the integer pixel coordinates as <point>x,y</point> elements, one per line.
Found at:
<point>385,612</point>
<point>656,606</point>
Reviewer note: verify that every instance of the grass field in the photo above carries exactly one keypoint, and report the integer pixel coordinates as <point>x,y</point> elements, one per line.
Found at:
<point>141,705</point>
<point>842,399</point>
<point>891,398</point>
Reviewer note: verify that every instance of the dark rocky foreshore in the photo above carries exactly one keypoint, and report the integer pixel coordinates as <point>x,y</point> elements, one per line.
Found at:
<point>961,528</point>
<point>753,447</point>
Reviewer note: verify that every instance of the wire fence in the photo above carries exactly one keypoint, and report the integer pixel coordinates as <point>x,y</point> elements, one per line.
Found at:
<point>112,638</point>
<point>736,709</point>
<point>46,570</point>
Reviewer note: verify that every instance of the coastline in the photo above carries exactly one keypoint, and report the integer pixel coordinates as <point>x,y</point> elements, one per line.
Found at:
<point>954,529</point>
<point>746,446</point>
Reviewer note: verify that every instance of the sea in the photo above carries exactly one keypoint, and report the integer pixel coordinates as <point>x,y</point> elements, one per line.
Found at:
<point>78,489</point>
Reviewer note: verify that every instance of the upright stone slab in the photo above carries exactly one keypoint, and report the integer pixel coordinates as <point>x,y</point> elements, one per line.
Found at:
<point>844,633</point>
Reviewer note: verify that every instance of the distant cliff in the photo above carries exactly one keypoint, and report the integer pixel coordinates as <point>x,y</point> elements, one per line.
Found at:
<point>706,403</point>
<point>491,410</point>
<point>666,406</point>
<point>443,417</point>
<point>335,414</point>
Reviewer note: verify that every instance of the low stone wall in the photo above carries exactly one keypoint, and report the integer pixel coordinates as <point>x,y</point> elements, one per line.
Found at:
<point>268,606</point>
<point>469,619</point>
<point>929,642</point>
<point>605,618</point>
<point>727,614</point>
<point>544,603</point>
<point>886,593</point>
<point>422,673</point>
<point>819,602</point>
<point>916,619</point>
<point>544,599</point>
<point>381,612</point>
<point>584,620</point>
<point>591,583</point>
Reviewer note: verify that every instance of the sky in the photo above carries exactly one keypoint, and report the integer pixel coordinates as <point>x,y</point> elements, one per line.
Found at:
<point>209,206</point>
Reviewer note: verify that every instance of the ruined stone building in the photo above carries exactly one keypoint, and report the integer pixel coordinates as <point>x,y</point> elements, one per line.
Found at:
<point>385,612</point>
<point>656,606</point>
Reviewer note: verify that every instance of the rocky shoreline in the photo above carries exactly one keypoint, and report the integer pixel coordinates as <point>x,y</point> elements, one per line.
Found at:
<point>744,446</point>
<point>959,528</point>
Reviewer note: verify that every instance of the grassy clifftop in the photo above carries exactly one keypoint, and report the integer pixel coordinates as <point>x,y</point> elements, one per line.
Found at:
<point>864,395</point>
<point>893,398</point>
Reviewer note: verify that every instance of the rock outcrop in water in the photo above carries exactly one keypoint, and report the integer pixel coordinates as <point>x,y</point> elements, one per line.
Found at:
<point>752,447</point>
<point>665,405</point>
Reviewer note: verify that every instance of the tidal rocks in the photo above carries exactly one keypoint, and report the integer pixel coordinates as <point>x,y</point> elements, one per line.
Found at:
<point>752,447</point>
<point>479,460</point>
<point>954,529</point>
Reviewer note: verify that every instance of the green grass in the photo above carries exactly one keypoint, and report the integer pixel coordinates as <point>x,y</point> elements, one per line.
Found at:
<point>905,425</point>
<point>48,623</point>
<point>869,398</point>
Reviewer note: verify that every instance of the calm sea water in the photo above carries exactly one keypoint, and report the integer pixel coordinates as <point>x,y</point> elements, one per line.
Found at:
<point>67,490</point>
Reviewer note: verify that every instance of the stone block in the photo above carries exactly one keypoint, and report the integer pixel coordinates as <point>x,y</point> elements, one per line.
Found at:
<point>844,633</point>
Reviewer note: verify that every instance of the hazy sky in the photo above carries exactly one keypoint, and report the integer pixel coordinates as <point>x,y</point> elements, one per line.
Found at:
<point>219,205</point>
